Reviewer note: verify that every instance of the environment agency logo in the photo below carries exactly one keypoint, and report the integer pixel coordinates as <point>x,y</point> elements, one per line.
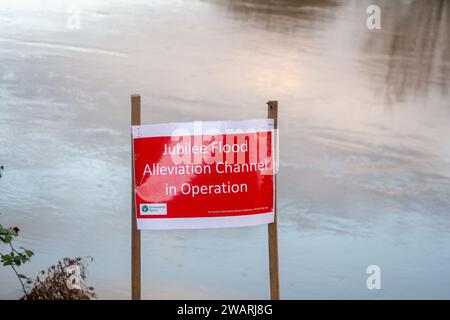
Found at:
<point>154,209</point>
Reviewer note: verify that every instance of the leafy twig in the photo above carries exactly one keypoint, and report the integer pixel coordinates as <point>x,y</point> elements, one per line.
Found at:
<point>15,258</point>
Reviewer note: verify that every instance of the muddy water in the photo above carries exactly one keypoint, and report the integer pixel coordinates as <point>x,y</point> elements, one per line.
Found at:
<point>364,124</point>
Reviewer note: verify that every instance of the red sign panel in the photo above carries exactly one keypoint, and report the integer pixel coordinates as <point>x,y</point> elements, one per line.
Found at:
<point>204,174</point>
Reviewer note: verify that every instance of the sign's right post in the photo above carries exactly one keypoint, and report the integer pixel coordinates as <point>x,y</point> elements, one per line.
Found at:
<point>272,108</point>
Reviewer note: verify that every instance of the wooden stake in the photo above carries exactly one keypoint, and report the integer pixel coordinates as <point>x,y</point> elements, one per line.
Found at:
<point>135,233</point>
<point>272,108</point>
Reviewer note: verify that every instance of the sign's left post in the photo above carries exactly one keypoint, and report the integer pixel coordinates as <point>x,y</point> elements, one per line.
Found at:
<point>135,233</point>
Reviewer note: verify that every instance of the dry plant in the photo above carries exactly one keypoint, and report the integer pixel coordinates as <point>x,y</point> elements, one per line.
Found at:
<point>56,283</point>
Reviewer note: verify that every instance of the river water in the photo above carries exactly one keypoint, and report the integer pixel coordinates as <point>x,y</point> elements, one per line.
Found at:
<point>364,139</point>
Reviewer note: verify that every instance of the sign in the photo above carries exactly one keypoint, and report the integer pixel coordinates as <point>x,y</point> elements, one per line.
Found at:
<point>212,174</point>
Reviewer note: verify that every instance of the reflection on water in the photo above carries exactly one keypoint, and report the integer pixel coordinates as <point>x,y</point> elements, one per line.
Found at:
<point>417,48</point>
<point>365,156</point>
<point>284,15</point>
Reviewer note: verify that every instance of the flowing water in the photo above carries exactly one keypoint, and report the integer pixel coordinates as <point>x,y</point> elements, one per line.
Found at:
<point>364,139</point>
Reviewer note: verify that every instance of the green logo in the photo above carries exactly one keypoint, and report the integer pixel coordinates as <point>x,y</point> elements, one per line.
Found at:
<point>144,208</point>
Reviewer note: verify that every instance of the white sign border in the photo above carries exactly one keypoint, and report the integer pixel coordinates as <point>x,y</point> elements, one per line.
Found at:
<point>205,222</point>
<point>202,127</point>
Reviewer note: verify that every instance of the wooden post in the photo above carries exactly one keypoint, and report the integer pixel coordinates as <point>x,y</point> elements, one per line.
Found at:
<point>272,108</point>
<point>135,233</point>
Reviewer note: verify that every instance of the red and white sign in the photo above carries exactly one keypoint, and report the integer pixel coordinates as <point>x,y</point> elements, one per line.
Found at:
<point>212,174</point>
